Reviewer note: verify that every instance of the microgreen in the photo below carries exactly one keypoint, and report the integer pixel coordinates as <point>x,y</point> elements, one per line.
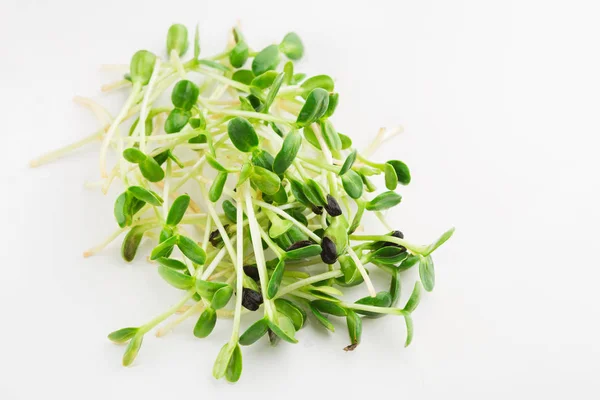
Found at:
<point>288,208</point>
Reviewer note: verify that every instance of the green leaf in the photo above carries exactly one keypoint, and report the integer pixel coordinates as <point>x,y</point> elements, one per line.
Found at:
<point>304,252</point>
<point>357,217</point>
<point>121,210</point>
<point>177,120</point>
<point>401,170</point>
<point>275,281</point>
<point>384,201</point>
<point>346,141</point>
<point>319,81</point>
<point>177,39</point>
<point>145,195</point>
<point>164,248</point>
<point>288,71</point>
<point>254,332</point>
<point>266,60</point>
<point>353,184</point>
<point>234,368</point>
<point>191,250</point>
<point>262,158</point>
<point>427,273</point>
<point>216,189</point>
<point>185,95</point>
<point>395,287</point>
<point>244,76</point>
<point>222,361</point>
<point>245,173</point>
<point>334,99</point>
<point>221,297</point>
<point>289,150</point>
<point>280,197</point>
<point>298,191</point>
<point>283,327</point>
<point>314,107</point>
<point>239,54</point>
<point>310,137</point>
<point>441,240</point>
<point>297,78</point>
<point>331,136</point>
<point>274,89</point>
<point>151,170</point>
<point>414,299</point>
<point>178,209</point>
<point>141,67</point>
<point>172,263</point>
<point>207,289</point>
<point>321,318</point>
<point>131,242</point>
<point>206,323</point>
<point>292,46</point>
<point>278,226</point>
<point>122,335</point>
<point>198,122</point>
<point>409,329</point>
<point>148,126</point>
<point>265,180</point>
<point>354,323</point>
<point>391,180</point>
<point>314,192</point>
<point>348,163</point>
<point>132,349</point>
<point>264,80</point>
<point>389,255</point>
<point>328,307</point>
<point>134,155</point>
<point>242,134</point>
<point>176,278</point>
<point>383,299</point>
<point>230,210</point>
<point>292,311</point>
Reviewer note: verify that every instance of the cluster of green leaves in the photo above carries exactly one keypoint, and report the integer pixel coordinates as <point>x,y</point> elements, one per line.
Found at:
<point>308,206</point>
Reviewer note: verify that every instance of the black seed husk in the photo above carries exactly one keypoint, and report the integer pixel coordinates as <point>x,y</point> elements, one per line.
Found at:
<point>329,251</point>
<point>215,238</point>
<point>332,207</point>
<point>299,244</point>
<point>317,209</point>
<point>251,299</point>
<point>399,235</point>
<point>252,272</point>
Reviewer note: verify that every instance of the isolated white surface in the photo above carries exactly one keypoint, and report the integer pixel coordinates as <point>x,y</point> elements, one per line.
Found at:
<point>499,101</point>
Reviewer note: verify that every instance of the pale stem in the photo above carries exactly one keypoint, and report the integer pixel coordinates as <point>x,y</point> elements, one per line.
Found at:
<point>168,327</point>
<point>63,151</point>
<point>141,126</point>
<point>308,281</point>
<point>151,324</point>
<point>113,127</point>
<point>392,239</point>
<point>240,271</point>
<point>258,251</point>
<point>285,215</point>
<point>363,272</point>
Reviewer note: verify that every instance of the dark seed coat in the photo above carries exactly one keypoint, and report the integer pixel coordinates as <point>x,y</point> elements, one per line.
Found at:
<point>299,244</point>
<point>251,299</point>
<point>332,207</point>
<point>328,251</point>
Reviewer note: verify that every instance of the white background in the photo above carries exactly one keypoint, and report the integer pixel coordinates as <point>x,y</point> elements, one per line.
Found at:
<point>500,104</point>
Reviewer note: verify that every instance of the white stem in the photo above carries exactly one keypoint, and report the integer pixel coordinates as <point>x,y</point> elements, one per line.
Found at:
<point>257,246</point>
<point>363,272</point>
<point>141,126</point>
<point>113,127</point>
<point>308,281</point>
